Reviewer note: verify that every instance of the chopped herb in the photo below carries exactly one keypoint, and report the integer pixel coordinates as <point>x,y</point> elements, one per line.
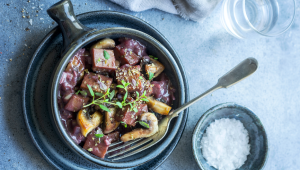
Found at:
<point>106,55</point>
<point>151,56</point>
<point>99,135</point>
<point>99,94</point>
<point>112,94</point>
<point>146,100</point>
<point>104,108</point>
<point>124,124</point>
<point>144,93</point>
<point>120,86</point>
<point>90,149</point>
<point>151,75</point>
<point>125,96</point>
<point>99,60</point>
<point>144,124</point>
<point>119,104</point>
<point>135,110</point>
<point>91,90</point>
<point>141,77</point>
<point>84,93</point>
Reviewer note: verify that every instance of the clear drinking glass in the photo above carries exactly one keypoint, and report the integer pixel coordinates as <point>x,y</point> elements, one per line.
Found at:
<point>251,18</point>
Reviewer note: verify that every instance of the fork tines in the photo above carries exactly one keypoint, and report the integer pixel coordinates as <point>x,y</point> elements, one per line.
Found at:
<point>141,143</point>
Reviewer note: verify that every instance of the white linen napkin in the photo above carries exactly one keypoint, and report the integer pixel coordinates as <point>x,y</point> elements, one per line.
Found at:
<point>195,10</point>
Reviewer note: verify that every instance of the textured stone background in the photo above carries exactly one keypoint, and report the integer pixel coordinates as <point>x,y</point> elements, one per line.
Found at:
<point>207,52</point>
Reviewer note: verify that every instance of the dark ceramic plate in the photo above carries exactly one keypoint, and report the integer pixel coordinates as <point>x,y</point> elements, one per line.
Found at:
<point>37,81</point>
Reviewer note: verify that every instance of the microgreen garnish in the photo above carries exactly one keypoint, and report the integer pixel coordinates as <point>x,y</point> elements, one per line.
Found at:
<point>141,77</point>
<point>91,90</point>
<point>151,56</point>
<point>84,93</point>
<point>112,94</point>
<point>144,124</point>
<point>98,94</point>
<point>146,100</point>
<point>104,108</point>
<point>99,135</point>
<point>109,95</point>
<point>106,55</point>
<point>151,75</point>
<point>119,104</point>
<point>124,124</point>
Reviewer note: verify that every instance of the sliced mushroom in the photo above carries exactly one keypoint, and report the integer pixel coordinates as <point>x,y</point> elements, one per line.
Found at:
<point>158,106</point>
<point>106,43</point>
<point>155,67</point>
<point>88,123</point>
<point>148,118</point>
<point>110,123</point>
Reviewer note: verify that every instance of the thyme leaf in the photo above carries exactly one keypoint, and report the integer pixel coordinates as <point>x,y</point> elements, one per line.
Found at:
<point>106,55</point>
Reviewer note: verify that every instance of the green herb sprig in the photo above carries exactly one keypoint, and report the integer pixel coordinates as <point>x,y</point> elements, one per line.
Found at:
<point>99,134</point>
<point>101,100</point>
<point>150,75</point>
<point>124,124</point>
<point>144,124</point>
<point>106,55</point>
<point>151,56</point>
<point>108,96</point>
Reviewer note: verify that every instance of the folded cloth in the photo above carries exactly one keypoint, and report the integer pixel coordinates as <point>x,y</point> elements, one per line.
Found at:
<point>195,10</point>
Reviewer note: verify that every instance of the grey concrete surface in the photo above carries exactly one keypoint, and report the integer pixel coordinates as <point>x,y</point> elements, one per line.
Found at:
<point>206,51</point>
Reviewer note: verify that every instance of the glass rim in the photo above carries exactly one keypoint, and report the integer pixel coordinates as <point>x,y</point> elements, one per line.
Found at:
<point>268,35</point>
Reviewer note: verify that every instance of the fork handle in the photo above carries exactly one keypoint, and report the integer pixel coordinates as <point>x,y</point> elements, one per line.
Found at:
<point>176,112</point>
<point>238,73</point>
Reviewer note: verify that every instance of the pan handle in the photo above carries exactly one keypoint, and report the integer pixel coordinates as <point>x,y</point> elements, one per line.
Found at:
<point>62,13</point>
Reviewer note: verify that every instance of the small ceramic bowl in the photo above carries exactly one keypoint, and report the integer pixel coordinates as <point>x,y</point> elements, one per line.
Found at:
<point>257,135</point>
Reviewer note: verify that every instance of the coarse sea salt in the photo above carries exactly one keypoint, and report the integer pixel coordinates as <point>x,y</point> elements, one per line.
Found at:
<point>225,144</point>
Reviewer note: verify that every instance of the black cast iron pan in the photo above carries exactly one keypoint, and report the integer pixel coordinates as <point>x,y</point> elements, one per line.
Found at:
<point>77,36</point>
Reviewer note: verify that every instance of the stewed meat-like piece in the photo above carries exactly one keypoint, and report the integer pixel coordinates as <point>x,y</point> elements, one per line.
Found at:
<point>130,74</point>
<point>98,146</point>
<point>76,102</point>
<point>100,63</point>
<point>129,51</point>
<point>98,82</point>
<point>129,116</point>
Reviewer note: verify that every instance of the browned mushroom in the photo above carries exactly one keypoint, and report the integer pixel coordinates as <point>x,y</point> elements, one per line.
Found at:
<point>110,123</point>
<point>106,43</point>
<point>88,123</point>
<point>148,118</point>
<point>158,106</point>
<point>155,67</point>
